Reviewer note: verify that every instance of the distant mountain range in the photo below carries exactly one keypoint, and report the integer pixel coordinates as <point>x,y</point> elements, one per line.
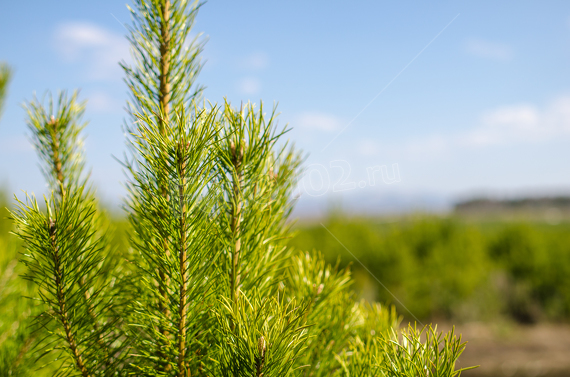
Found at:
<point>370,203</point>
<point>552,209</point>
<point>373,203</point>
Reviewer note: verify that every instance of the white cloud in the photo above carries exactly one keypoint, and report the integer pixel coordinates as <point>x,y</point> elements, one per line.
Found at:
<point>519,116</point>
<point>98,49</point>
<point>489,50</point>
<point>522,123</point>
<point>255,61</point>
<point>249,86</point>
<point>506,125</point>
<point>319,121</point>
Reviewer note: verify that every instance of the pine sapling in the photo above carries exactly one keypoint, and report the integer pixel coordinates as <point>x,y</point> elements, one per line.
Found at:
<point>213,288</point>
<point>64,248</point>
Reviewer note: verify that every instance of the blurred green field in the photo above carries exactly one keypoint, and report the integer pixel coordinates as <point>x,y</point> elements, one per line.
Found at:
<point>449,268</point>
<point>439,268</point>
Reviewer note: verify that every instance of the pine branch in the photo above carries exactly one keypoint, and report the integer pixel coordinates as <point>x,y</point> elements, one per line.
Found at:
<point>188,166</point>
<point>259,336</point>
<point>62,299</point>
<point>55,133</point>
<point>327,293</point>
<point>163,78</point>
<point>256,180</point>
<point>57,140</point>
<point>58,253</point>
<point>405,354</point>
<point>166,60</point>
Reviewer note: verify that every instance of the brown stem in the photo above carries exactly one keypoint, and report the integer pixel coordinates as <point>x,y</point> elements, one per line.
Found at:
<point>164,95</point>
<point>164,103</point>
<point>236,204</point>
<point>183,267</point>
<point>61,301</point>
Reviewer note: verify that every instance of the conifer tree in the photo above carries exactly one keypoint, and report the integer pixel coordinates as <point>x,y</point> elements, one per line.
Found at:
<point>65,245</point>
<point>171,167</point>
<point>214,289</point>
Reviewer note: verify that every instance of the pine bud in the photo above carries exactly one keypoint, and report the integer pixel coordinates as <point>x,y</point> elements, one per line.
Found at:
<point>232,148</point>
<point>51,227</point>
<point>272,174</point>
<point>261,346</point>
<point>236,156</point>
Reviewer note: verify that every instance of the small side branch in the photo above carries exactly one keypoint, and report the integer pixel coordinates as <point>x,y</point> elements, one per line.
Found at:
<point>53,128</point>
<point>61,301</point>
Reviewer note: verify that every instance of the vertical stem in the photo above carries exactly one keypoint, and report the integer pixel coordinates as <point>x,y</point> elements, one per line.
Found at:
<point>236,205</point>
<point>164,103</point>
<point>182,259</point>
<point>57,168</point>
<point>164,95</point>
<point>61,301</point>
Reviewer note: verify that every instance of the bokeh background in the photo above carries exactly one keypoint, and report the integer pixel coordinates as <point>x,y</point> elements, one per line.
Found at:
<point>436,137</point>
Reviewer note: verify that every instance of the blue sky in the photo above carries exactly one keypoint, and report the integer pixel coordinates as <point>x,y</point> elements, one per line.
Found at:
<point>446,98</point>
